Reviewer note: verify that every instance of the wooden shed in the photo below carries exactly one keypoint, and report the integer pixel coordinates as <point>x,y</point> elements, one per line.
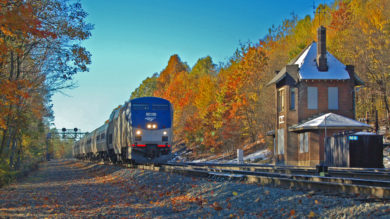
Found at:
<point>360,149</point>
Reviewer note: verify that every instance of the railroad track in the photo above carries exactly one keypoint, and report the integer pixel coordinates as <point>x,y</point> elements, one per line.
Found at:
<point>361,173</point>
<point>372,183</point>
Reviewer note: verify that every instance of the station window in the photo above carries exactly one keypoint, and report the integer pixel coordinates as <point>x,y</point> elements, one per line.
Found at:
<point>280,141</point>
<point>281,96</point>
<point>140,106</point>
<point>292,99</point>
<point>312,97</point>
<point>333,98</point>
<point>303,142</point>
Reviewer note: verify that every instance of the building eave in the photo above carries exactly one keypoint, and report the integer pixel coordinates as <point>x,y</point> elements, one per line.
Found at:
<point>300,129</point>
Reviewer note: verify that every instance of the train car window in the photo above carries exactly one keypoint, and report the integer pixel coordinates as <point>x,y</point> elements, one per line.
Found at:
<point>140,106</point>
<point>98,138</point>
<point>110,138</point>
<point>89,141</point>
<point>160,106</point>
<point>103,136</point>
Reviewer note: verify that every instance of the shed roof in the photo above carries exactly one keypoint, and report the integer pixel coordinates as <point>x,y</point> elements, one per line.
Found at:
<point>330,121</point>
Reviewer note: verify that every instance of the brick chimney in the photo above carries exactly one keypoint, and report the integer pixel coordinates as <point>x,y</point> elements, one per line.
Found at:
<point>321,49</point>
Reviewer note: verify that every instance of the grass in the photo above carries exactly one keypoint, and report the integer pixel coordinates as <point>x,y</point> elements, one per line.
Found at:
<point>8,175</point>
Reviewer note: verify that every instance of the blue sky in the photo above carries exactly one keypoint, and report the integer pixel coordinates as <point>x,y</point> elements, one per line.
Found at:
<point>133,39</point>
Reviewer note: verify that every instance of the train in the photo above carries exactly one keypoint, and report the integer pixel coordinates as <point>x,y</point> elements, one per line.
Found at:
<point>138,132</point>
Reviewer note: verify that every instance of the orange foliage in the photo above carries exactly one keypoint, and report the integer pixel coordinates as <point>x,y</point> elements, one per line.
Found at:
<point>224,108</point>
<point>341,18</point>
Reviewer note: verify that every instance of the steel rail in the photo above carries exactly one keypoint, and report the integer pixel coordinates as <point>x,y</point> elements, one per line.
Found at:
<point>372,188</point>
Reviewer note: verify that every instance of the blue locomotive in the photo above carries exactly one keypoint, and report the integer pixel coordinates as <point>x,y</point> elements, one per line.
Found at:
<point>140,131</point>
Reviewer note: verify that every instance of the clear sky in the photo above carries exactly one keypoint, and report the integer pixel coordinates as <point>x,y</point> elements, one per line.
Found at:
<point>133,39</point>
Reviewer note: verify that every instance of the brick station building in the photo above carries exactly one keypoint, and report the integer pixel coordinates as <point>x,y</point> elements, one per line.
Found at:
<point>312,84</point>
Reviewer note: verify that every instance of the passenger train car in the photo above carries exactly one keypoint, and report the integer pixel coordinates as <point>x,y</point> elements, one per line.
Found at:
<point>140,131</point>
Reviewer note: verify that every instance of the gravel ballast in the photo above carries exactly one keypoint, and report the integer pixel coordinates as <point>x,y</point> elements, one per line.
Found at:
<point>70,188</point>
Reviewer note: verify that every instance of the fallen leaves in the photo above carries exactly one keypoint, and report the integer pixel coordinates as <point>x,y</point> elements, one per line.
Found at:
<point>229,205</point>
<point>216,206</point>
<point>129,195</point>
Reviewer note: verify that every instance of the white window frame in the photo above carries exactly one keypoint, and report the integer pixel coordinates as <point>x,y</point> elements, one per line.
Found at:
<point>312,97</point>
<point>281,99</point>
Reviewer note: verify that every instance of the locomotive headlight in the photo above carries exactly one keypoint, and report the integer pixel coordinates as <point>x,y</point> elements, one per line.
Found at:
<point>149,126</point>
<point>154,126</point>
<point>165,133</point>
<point>138,132</point>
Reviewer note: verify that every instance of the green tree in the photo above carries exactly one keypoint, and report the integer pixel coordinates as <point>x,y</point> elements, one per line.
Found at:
<point>146,88</point>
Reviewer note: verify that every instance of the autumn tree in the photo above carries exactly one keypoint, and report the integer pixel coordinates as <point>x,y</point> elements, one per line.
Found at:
<point>39,54</point>
<point>175,66</point>
<point>227,107</point>
<point>146,88</point>
<point>203,86</point>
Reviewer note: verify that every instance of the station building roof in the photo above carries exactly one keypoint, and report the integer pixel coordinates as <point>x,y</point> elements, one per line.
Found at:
<point>308,70</point>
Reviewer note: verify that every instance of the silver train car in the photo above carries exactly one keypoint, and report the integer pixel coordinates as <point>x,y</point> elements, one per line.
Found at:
<point>140,132</point>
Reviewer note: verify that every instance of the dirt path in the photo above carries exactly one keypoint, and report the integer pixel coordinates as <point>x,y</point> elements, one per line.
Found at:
<point>74,189</point>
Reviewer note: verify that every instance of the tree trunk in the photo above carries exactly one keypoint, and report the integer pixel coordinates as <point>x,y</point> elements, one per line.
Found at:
<point>8,130</point>
<point>11,70</point>
<point>19,154</point>
<point>12,154</point>
<point>4,136</point>
<point>387,110</point>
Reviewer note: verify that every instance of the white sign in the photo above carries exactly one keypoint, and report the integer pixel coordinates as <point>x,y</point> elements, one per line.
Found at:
<point>281,119</point>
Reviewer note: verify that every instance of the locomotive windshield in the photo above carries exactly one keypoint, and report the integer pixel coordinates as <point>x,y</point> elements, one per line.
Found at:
<point>160,107</point>
<point>140,106</point>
